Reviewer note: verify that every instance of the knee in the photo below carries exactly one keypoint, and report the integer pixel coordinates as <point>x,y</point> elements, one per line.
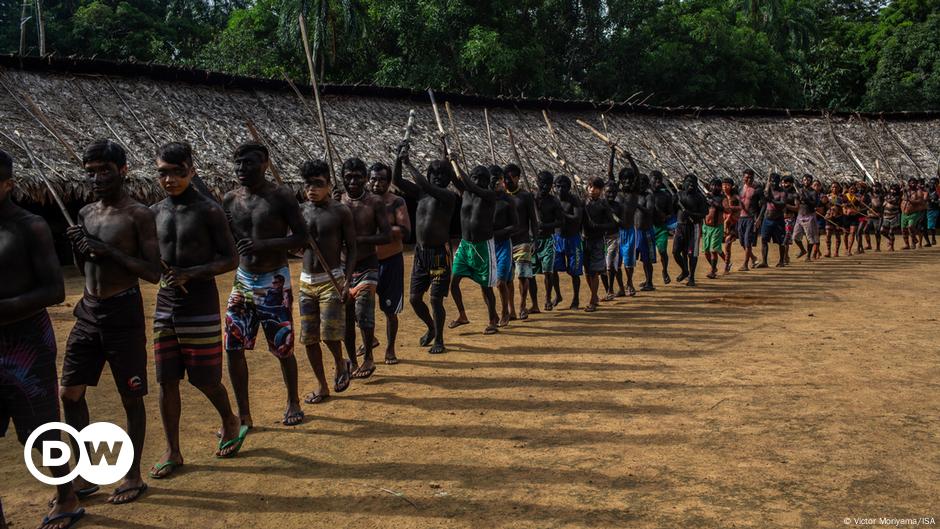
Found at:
<point>132,403</point>
<point>415,300</point>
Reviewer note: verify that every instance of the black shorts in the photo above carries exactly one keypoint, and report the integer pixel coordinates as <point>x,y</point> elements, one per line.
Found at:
<point>187,334</point>
<point>431,271</point>
<point>391,288</point>
<point>29,393</point>
<point>109,330</point>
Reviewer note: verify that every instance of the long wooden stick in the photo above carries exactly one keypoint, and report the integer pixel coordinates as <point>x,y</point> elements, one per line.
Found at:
<point>835,139</point>
<point>559,155</point>
<point>316,95</point>
<point>515,154</point>
<point>313,116</point>
<point>455,132</point>
<point>131,112</point>
<point>256,136</point>
<point>489,134</point>
<point>42,120</point>
<point>874,141</point>
<point>897,142</point>
<point>45,180</point>
<point>440,128</point>
<point>107,124</point>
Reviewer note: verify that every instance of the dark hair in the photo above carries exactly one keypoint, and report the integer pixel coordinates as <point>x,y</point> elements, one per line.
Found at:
<point>314,168</point>
<point>749,172</point>
<point>788,178</point>
<point>807,175</point>
<point>6,165</point>
<point>495,170</point>
<point>562,180</point>
<point>480,171</point>
<point>625,173</point>
<point>280,277</point>
<point>727,180</point>
<point>176,153</point>
<point>512,170</point>
<point>545,177</point>
<point>251,146</point>
<point>714,182</point>
<point>598,182</point>
<point>441,167</point>
<point>105,151</point>
<point>354,165</point>
<point>378,167</point>
<point>656,174</point>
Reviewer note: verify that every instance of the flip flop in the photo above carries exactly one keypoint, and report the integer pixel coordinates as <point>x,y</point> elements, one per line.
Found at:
<point>170,466</point>
<point>457,323</point>
<point>313,398</point>
<point>391,361</point>
<point>490,330</point>
<point>290,417</point>
<point>341,382</point>
<point>236,442</point>
<point>140,489</point>
<point>80,493</point>
<point>363,373</point>
<point>361,350</point>
<point>73,517</point>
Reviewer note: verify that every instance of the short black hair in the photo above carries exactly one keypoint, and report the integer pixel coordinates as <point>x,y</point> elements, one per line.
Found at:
<point>315,168</point>
<point>495,170</point>
<point>512,170</point>
<point>176,153</point>
<point>727,180</point>
<point>480,171</point>
<point>252,146</point>
<point>105,151</point>
<point>378,167</point>
<point>598,182</point>
<point>545,177</point>
<point>788,178</point>
<point>749,172</point>
<point>354,164</point>
<point>6,165</point>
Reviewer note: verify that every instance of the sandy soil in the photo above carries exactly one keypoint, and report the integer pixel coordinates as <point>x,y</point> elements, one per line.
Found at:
<point>781,398</point>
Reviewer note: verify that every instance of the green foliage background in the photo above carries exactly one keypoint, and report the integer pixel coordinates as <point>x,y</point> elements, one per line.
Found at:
<point>835,54</point>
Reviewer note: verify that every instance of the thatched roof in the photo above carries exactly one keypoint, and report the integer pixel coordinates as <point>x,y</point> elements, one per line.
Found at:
<point>59,106</point>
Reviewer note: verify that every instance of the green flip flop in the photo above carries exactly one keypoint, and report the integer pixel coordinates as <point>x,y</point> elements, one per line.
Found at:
<point>157,471</point>
<point>236,442</point>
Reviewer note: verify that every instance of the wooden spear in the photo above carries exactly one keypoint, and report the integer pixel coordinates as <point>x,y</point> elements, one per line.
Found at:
<point>489,134</point>
<point>515,154</point>
<point>440,128</point>
<point>455,132</point>
<point>316,95</point>
<point>560,155</point>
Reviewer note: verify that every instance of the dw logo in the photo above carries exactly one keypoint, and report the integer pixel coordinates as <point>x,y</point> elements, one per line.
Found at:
<point>106,453</point>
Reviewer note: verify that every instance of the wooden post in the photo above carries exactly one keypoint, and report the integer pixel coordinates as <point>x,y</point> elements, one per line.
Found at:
<point>316,95</point>
<point>489,134</point>
<point>455,132</point>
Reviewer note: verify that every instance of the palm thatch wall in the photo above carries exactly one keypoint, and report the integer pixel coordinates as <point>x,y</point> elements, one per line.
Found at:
<point>61,109</point>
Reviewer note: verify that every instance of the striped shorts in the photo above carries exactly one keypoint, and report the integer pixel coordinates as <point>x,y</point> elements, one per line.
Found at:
<point>187,334</point>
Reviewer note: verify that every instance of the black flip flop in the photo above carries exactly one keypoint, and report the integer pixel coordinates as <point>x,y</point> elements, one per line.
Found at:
<point>363,374</point>
<point>313,398</point>
<point>289,416</point>
<point>140,489</point>
<point>73,517</point>
<point>341,382</point>
<point>80,493</point>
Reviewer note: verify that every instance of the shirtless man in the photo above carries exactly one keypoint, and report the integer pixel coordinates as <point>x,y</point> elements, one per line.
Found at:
<point>431,268</point>
<point>569,255</point>
<point>913,207</point>
<point>266,223</point>
<point>551,218</point>
<point>628,201</point>
<point>522,247</point>
<point>835,218</point>
<point>645,236</point>
<point>612,242</point>
<point>195,245</point>
<point>665,201</point>
<point>732,211</point>
<point>933,210</point>
<point>773,229</point>
<point>891,215</point>
<point>505,223</point>
<point>391,288</point>
<point>713,232</point>
<point>789,215</point>
<point>476,254</point>
<point>323,291</point>
<point>805,224</point>
<point>822,209</point>
<point>686,245</point>
<point>598,221</point>
<point>115,244</point>
<point>750,210</point>
<point>372,229</point>
<point>874,215</point>
<point>28,379</point>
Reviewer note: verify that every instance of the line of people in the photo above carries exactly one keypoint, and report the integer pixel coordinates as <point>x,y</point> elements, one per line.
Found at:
<point>484,226</point>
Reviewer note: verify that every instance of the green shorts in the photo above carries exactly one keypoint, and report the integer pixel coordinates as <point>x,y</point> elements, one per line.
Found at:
<point>662,238</point>
<point>476,260</point>
<point>544,259</point>
<point>911,220</point>
<point>712,238</point>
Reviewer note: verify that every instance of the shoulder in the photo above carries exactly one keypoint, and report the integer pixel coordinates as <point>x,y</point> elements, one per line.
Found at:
<point>139,211</point>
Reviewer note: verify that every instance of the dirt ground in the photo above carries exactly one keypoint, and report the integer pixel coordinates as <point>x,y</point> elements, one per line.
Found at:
<point>783,398</point>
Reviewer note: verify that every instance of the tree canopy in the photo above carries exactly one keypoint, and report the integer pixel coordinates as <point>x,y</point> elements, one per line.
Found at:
<point>831,54</point>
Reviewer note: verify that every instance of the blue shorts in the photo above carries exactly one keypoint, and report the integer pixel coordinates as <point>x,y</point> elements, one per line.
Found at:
<point>746,233</point>
<point>569,255</point>
<point>646,245</point>
<point>504,260</point>
<point>628,247</point>
<point>773,231</point>
<point>932,216</point>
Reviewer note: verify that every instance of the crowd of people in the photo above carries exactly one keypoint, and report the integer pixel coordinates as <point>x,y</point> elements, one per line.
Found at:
<point>491,226</point>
